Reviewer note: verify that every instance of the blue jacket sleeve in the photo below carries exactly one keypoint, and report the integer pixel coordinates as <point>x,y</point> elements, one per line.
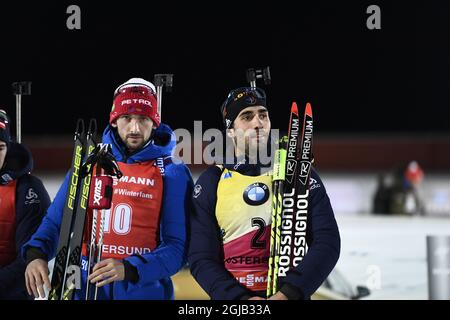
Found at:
<point>170,256</point>
<point>32,200</point>
<point>323,243</point>
<point>47,236</point>
<point>205,249</point>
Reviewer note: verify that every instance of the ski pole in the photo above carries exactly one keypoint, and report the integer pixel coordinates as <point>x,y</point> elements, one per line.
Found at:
<point>252,74</point>
<point>100,199</point>
<point>91,251</point>
<point>92,161</point>
<point>161,80</point>
<point>100,243</point>
<point>19,89</point>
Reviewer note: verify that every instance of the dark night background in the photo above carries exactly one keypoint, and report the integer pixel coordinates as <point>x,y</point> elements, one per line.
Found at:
<point>381,99</point>
<point>392,80</point>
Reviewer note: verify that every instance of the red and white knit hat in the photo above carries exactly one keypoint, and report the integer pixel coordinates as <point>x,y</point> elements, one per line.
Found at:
<point>136,96</point>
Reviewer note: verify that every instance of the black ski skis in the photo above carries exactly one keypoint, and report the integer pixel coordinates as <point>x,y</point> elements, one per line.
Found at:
<point>59,268</point>
<point>302,191</point>
<point>72,274</point>
<point>289,223</point>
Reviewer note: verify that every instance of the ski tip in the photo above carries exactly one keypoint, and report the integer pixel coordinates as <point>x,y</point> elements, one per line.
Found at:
<point>294,108</point>
<point>308,109</point>
<point>92,126</point>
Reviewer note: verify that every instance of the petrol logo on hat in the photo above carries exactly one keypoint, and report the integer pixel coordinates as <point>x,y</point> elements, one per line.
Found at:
<point>256,194</point>
<point>137,101</point>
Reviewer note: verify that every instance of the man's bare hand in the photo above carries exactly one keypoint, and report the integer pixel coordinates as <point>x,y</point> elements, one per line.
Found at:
<point>107,271</point>
<point>278,296</point>
<point>36,276</point>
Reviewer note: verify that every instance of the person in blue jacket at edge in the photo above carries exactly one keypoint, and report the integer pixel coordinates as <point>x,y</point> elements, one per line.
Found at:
<point>231,217</point>
<point>141,253</point>
<point>23,202</point>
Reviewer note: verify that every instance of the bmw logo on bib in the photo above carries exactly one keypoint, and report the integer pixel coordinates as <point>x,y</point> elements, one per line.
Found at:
<point>256,194</point>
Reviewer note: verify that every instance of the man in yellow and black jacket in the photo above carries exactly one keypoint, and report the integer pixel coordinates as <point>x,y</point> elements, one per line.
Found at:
<point>231,217</point>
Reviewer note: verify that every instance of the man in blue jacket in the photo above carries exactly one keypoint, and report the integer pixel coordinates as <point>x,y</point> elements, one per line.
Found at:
<point>23,201</point>
<point>230,223</point>
<point>145,230</point>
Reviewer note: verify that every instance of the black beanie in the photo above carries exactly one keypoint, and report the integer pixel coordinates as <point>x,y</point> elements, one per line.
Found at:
<point>4,127</point>
<point>239,99</point>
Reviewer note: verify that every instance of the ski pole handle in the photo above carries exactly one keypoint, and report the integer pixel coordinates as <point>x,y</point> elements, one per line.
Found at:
<point>160,81</point>
<point>18,117</point>
<point>19,89</point>
<point>100,195</point>
<point>252,74</point>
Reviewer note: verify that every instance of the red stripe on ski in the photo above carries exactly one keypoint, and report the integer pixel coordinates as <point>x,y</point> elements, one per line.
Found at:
<point>308,113</point>
<point>294,108</point>
<point>308,110</point>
